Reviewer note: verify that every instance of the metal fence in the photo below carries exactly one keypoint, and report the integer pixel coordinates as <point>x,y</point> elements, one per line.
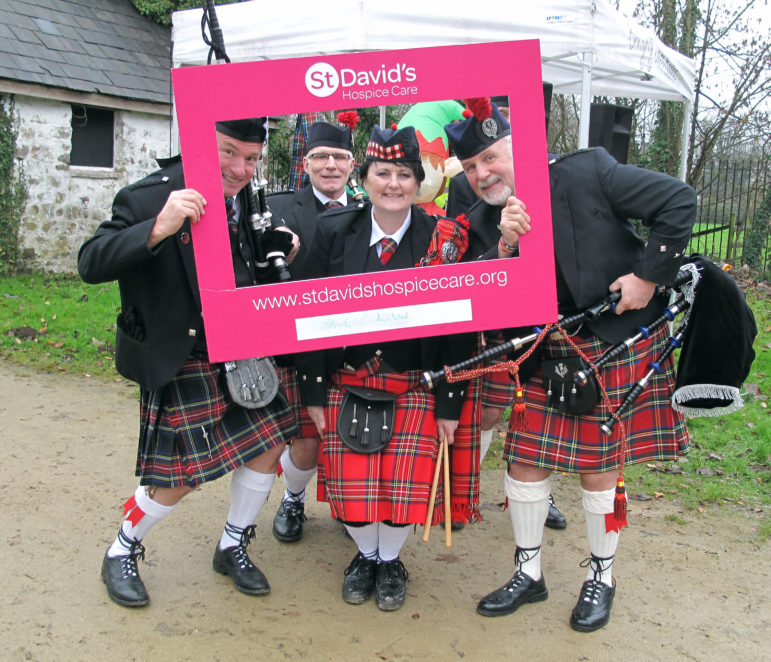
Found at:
<point>730,226</point>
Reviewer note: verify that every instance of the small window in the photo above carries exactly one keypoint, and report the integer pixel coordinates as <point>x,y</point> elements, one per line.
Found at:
<point>92,137</point>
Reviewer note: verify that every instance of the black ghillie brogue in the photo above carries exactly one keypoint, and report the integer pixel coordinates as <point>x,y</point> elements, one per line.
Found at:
<point>555,519</point>
<point>289,519</point>
<point>235,562</point>
<point>521,589</point>
<point>359,581</point>
<point>390,585</point>
<point>592,611</point>
<point>121,576</point>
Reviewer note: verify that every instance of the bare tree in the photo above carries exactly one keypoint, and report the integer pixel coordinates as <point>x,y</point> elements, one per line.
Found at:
<point>732,50</point>
<point>732,47</point>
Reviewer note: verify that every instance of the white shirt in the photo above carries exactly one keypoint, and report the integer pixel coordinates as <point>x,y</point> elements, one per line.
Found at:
<point>378,234</point>
<point>324,199</point>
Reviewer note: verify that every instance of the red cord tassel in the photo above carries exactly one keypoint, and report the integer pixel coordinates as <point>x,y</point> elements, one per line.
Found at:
<point>519,411</point>
<point>616,520</point>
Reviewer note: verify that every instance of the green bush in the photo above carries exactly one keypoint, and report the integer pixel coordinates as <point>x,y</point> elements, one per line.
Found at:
<point>755,240</point>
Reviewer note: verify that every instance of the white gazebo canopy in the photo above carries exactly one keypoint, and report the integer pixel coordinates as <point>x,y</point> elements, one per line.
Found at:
<point>587,47</point>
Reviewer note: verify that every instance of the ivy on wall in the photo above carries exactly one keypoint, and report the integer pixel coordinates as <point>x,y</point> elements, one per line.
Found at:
<point>13,191</point>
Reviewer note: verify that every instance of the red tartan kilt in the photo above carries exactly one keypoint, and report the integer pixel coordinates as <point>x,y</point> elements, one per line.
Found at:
<point>191,432</point>
<point>497,389</point>
<point>576,444</point>
<point>393,484</point>
<point>288,380</point>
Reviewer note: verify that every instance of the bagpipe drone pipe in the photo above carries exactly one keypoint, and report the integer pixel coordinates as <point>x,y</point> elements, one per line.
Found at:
<point>271,246</point>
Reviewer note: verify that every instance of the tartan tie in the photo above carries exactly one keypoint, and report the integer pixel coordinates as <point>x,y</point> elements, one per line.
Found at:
<point>333,204</point>
<point>387,249</point>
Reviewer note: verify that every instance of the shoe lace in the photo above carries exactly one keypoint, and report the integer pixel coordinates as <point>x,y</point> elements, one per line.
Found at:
<point>136,550</point>
<point>598,565</point>
<point>359,562</point>
<point>592,591</point>
<point>523,554</point>
<point>394,569</point>
<point>515,582</point>
<point>242,558</point>
<point>295,508</point>
<point>244,536</point>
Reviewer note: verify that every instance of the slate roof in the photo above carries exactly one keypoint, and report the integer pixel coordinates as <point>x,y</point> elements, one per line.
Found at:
<point>93,46</point>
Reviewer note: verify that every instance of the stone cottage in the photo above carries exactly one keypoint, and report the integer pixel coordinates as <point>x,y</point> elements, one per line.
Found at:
<point>91,87</point>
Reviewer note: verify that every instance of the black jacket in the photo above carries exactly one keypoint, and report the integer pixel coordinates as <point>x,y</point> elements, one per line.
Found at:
<point>161,308</point>
<point>299,210</point>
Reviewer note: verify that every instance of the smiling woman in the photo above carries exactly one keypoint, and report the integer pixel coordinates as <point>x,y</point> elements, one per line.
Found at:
<point>392,189</point>
<point>378,423</point>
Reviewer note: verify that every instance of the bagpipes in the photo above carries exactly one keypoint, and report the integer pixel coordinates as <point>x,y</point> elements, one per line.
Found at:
<point>465,369</point>
<point>715,336</point>
<point>684,283</point>
<point>271,246</point>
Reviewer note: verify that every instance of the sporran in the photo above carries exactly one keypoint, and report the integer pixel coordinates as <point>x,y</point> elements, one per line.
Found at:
<point>365,422</point>
<point>562,392</point>
<point>252,383</point>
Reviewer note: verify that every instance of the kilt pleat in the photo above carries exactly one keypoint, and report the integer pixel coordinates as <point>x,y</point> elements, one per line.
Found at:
<point>394,483</point>
<point>560,442</point>
<point>191,432</point>
<point>464,462</point>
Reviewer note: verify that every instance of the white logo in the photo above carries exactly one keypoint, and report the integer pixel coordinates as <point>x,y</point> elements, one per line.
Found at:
<point>321,79</point>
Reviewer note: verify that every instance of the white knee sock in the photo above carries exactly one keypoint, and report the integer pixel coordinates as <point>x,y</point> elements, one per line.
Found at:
<point>153,511</point>
<point>528,507</point>
<point>486,438</point>
<point>249,490</point>
<point>295,479</point>
<point>602,544</point>
<point>366,538</point>
<point>391,540</point>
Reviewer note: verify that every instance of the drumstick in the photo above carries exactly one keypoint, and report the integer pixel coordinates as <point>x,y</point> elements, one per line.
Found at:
<point>447,517</point>
<point>432,496</point>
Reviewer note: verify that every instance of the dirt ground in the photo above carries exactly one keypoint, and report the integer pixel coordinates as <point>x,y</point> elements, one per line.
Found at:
<point>690,587</point>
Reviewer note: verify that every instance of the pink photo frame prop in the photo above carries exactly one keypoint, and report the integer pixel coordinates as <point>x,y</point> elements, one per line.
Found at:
<point>371,307</point>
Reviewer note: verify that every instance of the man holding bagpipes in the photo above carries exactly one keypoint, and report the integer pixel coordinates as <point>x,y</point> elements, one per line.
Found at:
<point>553,427</point>
<point>496,390</point>
<point>192,429</point>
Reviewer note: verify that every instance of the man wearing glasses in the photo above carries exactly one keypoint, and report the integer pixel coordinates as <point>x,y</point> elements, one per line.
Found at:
<point>329,163</point>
